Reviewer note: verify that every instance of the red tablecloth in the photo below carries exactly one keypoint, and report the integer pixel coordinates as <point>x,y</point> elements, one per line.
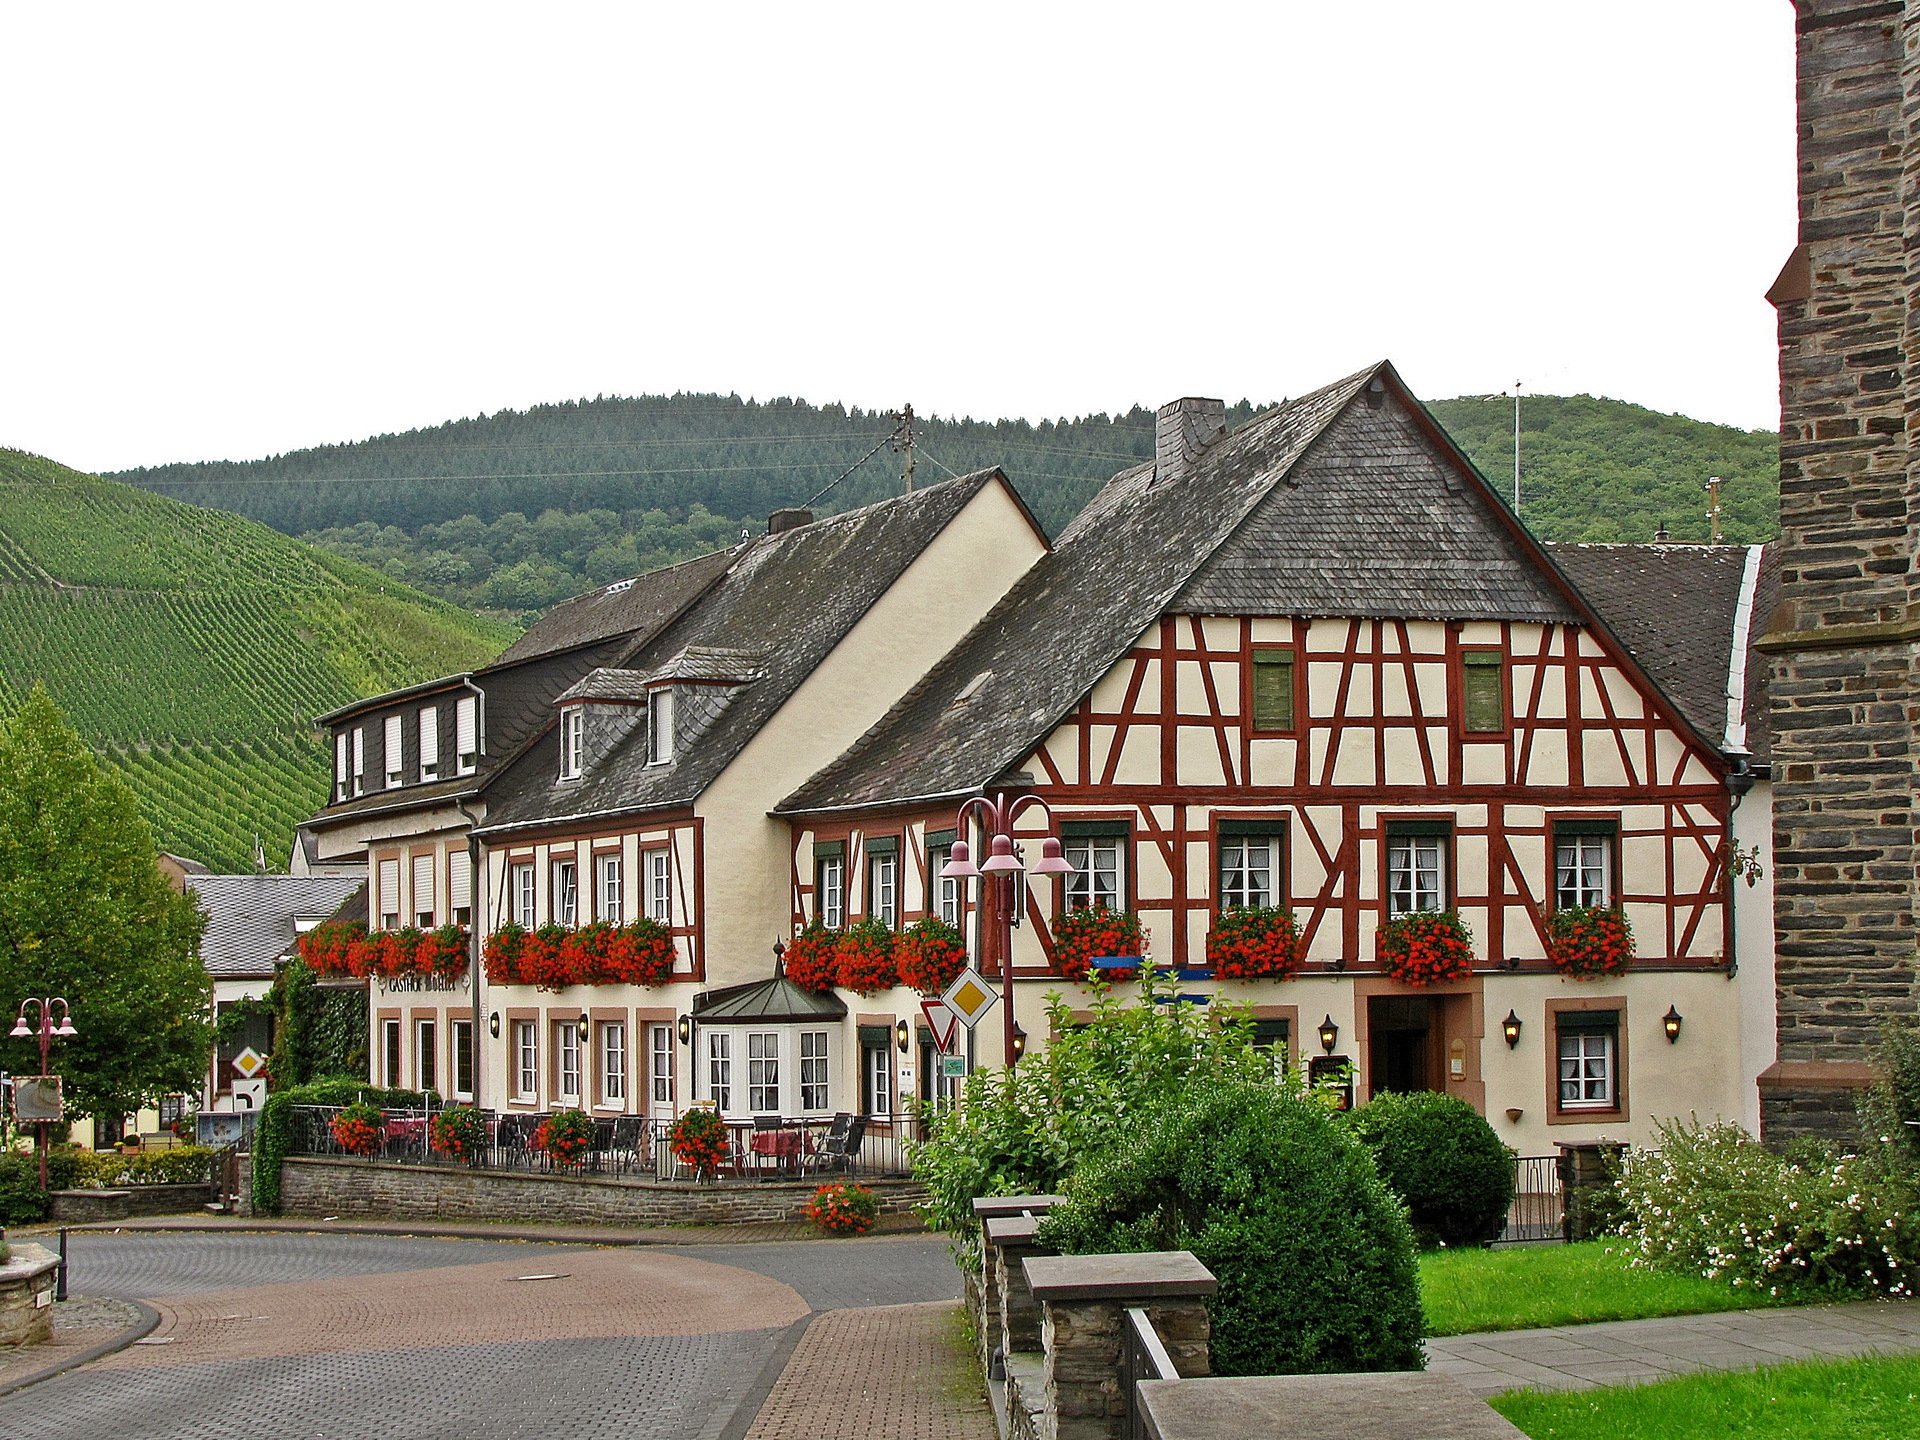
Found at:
<point>779,1144</point>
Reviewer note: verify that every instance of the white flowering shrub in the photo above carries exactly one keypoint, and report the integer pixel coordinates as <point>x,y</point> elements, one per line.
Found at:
<point>1712,1202</point>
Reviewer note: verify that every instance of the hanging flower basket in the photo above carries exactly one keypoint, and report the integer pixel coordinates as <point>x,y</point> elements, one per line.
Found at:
<point>698,1139</point>
<point>1587,941</point>
<point>459,1131</point>
<point>582,957</point>
<point>930,955</point>
<point>443,952</point>
<point>842,1208</point>
<point>866,958</point>
<point>565,1135</point>
<point>504,956</point>
<point>325,947</point>
<point>1081,935</point>
<point>358,1128</point>
<point>812,960</point>
<point>640,953</point>
<point>1426,947</point>
<point>394,952</point>
<point>543,961</point>
<point>363,956</point>
<point>1254,942</point>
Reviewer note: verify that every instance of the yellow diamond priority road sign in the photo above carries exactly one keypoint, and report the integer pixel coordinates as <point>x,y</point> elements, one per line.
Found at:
<point>970,997</point>
<point>249,1062</point>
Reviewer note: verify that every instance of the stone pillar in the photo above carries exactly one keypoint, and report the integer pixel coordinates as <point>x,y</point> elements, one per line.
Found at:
<point>983,1285</point>
<point>1842,639</point>
<point>1589,1203</point>
<point>1084,1299</point>
<point>1011,1240</point>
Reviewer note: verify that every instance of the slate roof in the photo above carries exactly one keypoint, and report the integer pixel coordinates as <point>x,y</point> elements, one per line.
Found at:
<point>1674,608</point>
<point>250,918</point>
<point>766,1002</point>
<point>642,604</point>
<point>1328,505</point>
<point>789,597</point>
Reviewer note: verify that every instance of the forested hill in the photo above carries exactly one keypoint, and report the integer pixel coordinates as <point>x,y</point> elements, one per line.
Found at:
<point>516,510</point>
<point>192,648</point>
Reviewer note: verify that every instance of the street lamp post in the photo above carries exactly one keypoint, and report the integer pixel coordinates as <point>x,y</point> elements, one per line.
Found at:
<point>997,814</point>
<point>46,1029</point>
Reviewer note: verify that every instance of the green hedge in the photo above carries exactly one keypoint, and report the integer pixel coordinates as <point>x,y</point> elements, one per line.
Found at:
<point>22,1201</point>
<point>1313,1253</point>
<point>273,1133</point>
<point>178,1165</point>
<point>1440,1155</point>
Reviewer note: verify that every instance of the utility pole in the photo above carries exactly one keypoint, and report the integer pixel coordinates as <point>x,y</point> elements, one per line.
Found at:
<point>1713,509</point>
<point>902,441</point>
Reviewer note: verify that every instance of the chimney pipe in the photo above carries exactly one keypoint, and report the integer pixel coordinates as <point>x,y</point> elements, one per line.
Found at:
<point>791,519</point>
<point>1181,430</point>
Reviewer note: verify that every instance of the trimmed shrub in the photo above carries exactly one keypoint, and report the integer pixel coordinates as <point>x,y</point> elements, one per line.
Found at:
<point>22,1201</point>
<point>1442,1158</point>
<point>1313,1253</point>
<point>177,1165</point>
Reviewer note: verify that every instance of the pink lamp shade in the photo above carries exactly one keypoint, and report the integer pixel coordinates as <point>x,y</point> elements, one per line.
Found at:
<point>960,864</point>
<point>1002,860</point>
<point>1051,861</point>
<point>20,1027</point>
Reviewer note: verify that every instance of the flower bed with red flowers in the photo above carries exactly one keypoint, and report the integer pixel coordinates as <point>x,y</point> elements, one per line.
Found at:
<point>1586,941</point>
<point>554,957</point>
<point>565,1135</point>
<point>1426,947</point>
<point>866,958</point>
<point>1254,942</point>
<point>698,1139</point>
<point>342,948</point>
<point>459,1131</point>
<point>1081,935</point>
<point>842,1208</point>
<point>930,955</point>
<point>812,960</point>
<point>358,1128</point>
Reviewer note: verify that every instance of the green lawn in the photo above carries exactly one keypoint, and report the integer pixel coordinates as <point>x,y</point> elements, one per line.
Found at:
<point>1810,1400</point>
<point>1533,1285</point>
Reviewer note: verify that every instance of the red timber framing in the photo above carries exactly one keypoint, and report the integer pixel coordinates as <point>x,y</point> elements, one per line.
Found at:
<point>916,879</point>
<point>1165,743</point>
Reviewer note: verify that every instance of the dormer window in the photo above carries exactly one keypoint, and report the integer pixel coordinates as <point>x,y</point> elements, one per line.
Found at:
<point>660,727</point>
<point>391,751</point>
<point>429,743</point>
<point>573,729</point>
<point>466,733</point>
<point>340,765</point>
<point>359,760</point>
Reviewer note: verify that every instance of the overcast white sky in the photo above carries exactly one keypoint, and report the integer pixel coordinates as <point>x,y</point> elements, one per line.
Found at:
<point>235,230</point>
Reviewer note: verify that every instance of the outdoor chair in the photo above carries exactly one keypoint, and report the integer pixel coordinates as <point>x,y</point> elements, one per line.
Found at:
<point>600,1146</point>
<point>842,1144</point>
<point>629,1134</point>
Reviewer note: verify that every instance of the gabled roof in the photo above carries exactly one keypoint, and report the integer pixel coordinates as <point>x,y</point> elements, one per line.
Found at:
<point>766,1002</point>
<point>640,606</point>
<point>1347,501</point>
<point>788,598</point>
<point>1677,609</point>
<point>250,918</point>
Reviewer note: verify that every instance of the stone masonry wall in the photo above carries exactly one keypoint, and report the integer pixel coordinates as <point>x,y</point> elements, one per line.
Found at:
<point>1842,642</point>
<point>314,1185</point>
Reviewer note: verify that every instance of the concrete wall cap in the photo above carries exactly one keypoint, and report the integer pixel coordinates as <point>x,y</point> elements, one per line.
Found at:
<point>1012,1229</point>
<point>988,1206</point>
<point>1154,1274</point>
<point>27,1261</point>
<point>1398,1405</point>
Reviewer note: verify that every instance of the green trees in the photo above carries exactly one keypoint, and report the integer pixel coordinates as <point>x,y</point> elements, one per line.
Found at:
<point>86,914</point>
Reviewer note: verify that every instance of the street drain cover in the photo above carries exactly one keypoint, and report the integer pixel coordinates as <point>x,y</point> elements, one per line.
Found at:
<point>557,1275</point>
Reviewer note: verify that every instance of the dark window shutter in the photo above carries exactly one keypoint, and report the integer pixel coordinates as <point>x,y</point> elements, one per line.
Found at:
<point>1587,1020</point>
<point>1273,689</point>
<point>1485,685</point>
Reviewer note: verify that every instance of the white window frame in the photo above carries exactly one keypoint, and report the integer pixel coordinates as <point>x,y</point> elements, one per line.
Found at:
<point>1238,870</point>
<point>393,756</point>
<point>426,1037</point>
<point>1099,870</point>
<point>1589,1067</point>
<point>763,1072</point>
<point>1416,879</point>
<point>460,1041</point>
<point>424,910</point>
<point>568,1072</point>
<point>883,887</point>
<point>658,863</point>
<point>359,760</point>
<point>1582,868</point>
<point>878,1061</point>
<point>526,1060</point>
<point>613,1062</point>
<point>466,734</point>
<point>720,1068</point>
<point>386,909</point>
<point>815,1074</point>
<point>660,727</point>
<point>523,885</point>
<point>390,1056</point>
<point>660,1064</point>
<point>563,898</point>
<point>460,886</point>
<point>429,743</point>
<point>573,736</point>
<point>945,889</point>
<point>340,772</point>
<point>610,887</point>
<point>830,891</point>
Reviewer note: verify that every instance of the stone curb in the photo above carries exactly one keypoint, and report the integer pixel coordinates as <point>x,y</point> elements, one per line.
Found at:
<point>149,1318</point>
<point>428,1229</point>
<point>755,1397</point>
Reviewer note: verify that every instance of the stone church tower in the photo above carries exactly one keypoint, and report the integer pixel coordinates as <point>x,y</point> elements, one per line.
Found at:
<point>1846,635</point>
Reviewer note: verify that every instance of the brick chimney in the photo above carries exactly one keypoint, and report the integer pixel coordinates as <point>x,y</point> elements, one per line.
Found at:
<point>791,519</point>
<point>1181,430</point>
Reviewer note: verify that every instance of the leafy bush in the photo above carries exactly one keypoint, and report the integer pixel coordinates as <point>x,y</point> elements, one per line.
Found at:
<point>1712,1202</point>
<point>842,1208</point>
<point>273,1133</point>
<point>1890,1110</point>
<point>1023,1131</point>
<point>1443,1160</point>
<point>180,1165</point>
<point>1313,1253</point>
<point>22,1201</point>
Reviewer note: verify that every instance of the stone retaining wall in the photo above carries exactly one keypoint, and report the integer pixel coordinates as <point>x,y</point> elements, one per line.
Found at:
<point>315,1185</point>
<point>26,1295</point>
<point>78,1207</point>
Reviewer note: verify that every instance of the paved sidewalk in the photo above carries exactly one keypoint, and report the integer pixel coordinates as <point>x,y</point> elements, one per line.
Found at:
<point>892,1371</point>
<point>1625,1352</point>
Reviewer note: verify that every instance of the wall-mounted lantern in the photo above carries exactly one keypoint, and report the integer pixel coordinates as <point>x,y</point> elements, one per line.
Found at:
<point>493,1024</point>
<point>1329,1034</point>
<point>685,1029</point>
<point>1019,1041</point>
<point>1670,1022</point>
<point>1510,1027</point>
<point>902,1035</point>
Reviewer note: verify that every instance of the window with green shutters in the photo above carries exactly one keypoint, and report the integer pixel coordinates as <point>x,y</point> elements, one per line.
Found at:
<point>1484,687</point>
<point>1273,690</point>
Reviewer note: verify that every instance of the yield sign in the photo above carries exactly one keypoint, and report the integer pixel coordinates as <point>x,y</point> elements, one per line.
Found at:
<point>942,1021</point>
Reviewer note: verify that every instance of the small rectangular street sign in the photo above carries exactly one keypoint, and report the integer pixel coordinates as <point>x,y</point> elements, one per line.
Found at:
<point>953,1067</point>
<point>970,997</point>
<point>943,1021</point>
<point>36,1099</point>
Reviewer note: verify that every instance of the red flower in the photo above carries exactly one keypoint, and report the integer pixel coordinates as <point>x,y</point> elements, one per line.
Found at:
<point>325,947</point>
<point>1426,947</point>
<point>812,960</point>
<point>1586,941</point>
<point>930,954</point>
<point>842,1208</point>
<point>504,956</point>
<point>1251,942</point>
<point>1080,936</point>
<point>640,953</point>
<point>866,958</point>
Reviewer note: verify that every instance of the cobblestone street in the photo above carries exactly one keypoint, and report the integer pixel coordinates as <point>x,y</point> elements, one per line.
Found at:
<point>268,1335</point>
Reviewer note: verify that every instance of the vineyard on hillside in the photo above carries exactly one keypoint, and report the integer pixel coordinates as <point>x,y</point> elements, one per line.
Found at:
<point>193,648</point>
